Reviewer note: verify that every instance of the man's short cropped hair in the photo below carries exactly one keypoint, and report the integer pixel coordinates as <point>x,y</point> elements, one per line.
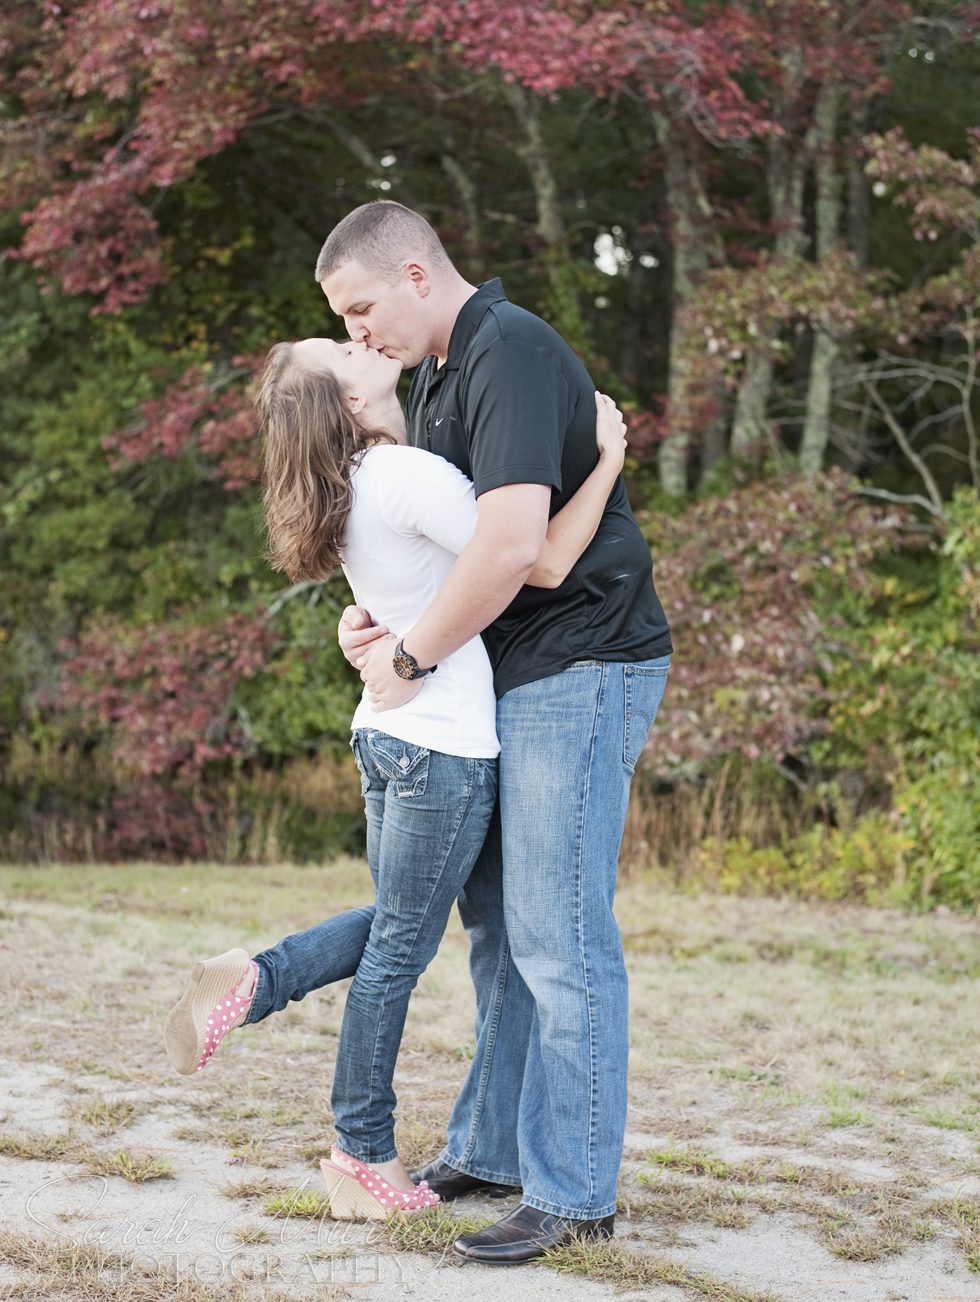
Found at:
<point>382,235</point>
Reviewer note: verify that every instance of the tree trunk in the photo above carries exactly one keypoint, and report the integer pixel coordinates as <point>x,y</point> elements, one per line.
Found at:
<point>465,188</point>
<point>562,307</point>
<point>534,150</point>
<point>749,432</point>
<point>816,426</point>
<point>858,190</point>
<point>854,449</point>
<point>785,174</point>
<point>714,449</point>
<point>695,246</point>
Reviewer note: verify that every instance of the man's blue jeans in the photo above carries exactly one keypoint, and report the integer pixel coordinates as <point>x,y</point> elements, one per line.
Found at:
<point>427,817</point>
<point>544,1103</point>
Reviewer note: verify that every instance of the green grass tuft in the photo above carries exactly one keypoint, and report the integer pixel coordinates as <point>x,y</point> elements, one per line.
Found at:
<point>691,1161</point>
<point>137,1168</point>
<point>34,1146</point>
<point>432,1232</point>
<point>297,1202</point>
<point>601,1259</point>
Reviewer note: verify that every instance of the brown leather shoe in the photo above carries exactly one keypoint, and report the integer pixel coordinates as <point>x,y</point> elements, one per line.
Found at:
<point>526,1233</point>
<point>449,1183</point>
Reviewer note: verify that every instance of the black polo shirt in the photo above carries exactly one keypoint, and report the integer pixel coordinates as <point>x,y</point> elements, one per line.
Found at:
<point>513,405</point>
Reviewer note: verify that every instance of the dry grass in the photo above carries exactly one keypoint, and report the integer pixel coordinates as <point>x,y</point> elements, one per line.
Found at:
<point>248,1234</point>
<point>670,826</point>
<point>856,1220</point>
<point>88,1273</point>
<point>608,1261</point>
<point>105,1116</point>
<point>786,1059</point>
<point>677,1202</point>
<point>421,1138</point>
<point>135,1167</point>
<point>33,1146</point>
<point>302,1203</point>
<point>432,1232</point>
<point>262,1186</point>
<point>962,1216</point>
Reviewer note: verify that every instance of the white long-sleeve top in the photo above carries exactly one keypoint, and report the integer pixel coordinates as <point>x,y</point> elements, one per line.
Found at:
<point>413,513</point>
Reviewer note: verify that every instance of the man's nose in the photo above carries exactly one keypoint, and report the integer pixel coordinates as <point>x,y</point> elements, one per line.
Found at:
<point>358,333</point>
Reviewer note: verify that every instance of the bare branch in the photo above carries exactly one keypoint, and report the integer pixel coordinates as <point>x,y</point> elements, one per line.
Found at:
<point>970,335</point>
<point>945,450</point>
<point>904,499</point>
<point>315,587</point>
<point>902,441</point>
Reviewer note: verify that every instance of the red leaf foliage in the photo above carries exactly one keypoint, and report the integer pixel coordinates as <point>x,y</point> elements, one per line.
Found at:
<point>122,101</point>
<point>163,693</point>
<point>209,411</point>
<point>748,580</point>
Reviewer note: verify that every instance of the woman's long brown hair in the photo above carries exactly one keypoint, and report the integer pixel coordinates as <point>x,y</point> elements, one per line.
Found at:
<point>311,441</point>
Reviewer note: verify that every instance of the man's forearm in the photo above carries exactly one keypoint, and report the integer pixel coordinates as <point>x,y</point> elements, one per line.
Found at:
<point>482,583</point>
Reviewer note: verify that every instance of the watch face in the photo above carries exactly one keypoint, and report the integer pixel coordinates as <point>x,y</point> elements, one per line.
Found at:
<point>405,666</point>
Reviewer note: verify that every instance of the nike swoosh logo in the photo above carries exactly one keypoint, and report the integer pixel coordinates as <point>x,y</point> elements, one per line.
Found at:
<point>440,420</point>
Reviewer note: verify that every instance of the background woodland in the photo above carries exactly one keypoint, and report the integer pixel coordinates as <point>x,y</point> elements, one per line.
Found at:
<point>757,222</point>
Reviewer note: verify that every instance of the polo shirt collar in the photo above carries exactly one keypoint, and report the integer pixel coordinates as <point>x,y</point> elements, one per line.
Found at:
<point>471,314</point>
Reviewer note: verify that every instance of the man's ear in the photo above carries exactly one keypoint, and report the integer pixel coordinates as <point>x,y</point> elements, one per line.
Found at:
<point>419,278</point>
<point>355,403</point>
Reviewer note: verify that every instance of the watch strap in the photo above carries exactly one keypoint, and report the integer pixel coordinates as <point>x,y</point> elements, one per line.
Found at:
<point>409,660</point>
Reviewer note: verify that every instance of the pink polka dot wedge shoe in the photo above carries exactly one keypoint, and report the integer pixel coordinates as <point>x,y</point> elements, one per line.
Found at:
<point>215,1000</point>
<point>367,1196</point>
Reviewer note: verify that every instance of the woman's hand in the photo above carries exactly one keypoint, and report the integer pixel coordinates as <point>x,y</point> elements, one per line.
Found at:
<point>610,433</point>
<point>356,631</point>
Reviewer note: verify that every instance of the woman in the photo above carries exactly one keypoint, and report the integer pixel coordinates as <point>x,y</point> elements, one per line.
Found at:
<point>343,487</point>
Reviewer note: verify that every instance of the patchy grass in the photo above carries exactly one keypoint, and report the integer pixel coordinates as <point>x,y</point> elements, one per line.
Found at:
<point>421,1138</point>
<point>255,1233</point>
<point>856,1220</point>
<point>36,1147</point>
<point>943,1119</point>
<point>133,1166</point>
<point>105,1116</point>
<point>432,1232</point>
<point>680,1202</point>
<point>303,1203</point>
<point>137,1168</point>
<point>607,1261</point>
<point>839,1117</point>
<point>806,1061</point>
<point>692,1161</point>
<point>262,1186</point>
<point>88,1273</point>
<point>962,1216</point>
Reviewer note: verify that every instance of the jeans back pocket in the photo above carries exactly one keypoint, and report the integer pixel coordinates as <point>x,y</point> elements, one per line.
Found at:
<point>644,690</point>
<point>359,761</point>
<point>399,762</point>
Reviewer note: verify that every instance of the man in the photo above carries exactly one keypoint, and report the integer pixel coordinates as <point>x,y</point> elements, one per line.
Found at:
<point>579,672</point>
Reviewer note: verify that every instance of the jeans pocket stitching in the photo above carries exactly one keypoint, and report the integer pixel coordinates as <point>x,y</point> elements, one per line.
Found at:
<point>359,762</point>
<point>409,779</point>
<point>632,716</point>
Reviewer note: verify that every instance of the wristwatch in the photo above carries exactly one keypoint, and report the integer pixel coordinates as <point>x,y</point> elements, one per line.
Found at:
<point>406,666</point>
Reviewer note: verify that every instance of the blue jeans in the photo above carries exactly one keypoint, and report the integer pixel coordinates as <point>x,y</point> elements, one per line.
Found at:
<point>427,817</point>
<point>544,1103</point>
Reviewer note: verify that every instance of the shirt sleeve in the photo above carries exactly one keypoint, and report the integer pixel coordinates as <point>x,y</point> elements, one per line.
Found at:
<point>515,408</point>
<point>424,494</point>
